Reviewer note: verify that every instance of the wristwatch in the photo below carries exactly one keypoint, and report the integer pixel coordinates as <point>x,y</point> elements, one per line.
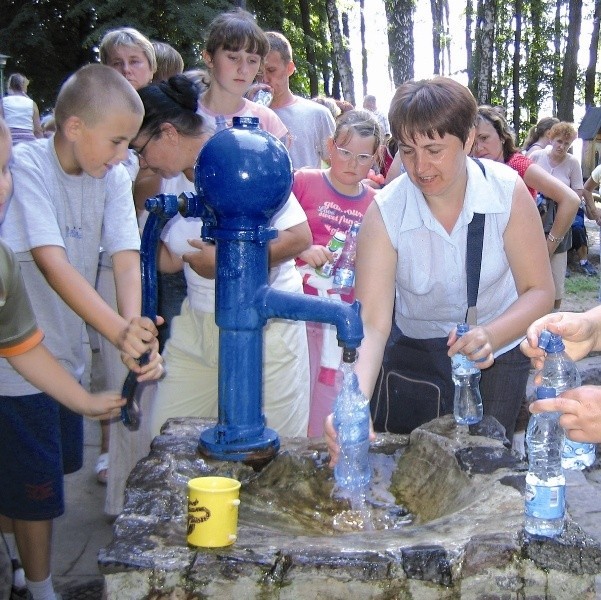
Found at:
<point>554,239</point>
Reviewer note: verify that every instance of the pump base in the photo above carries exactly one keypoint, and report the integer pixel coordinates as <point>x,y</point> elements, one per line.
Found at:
<point>261,448</point>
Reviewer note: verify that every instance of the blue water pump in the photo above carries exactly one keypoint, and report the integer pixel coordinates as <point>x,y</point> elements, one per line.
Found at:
<point>243,176</point>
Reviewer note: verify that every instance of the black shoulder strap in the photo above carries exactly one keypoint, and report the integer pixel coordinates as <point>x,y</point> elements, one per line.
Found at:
<point>473,262</point>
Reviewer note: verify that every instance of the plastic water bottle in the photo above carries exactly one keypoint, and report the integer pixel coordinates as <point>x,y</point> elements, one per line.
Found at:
<point>545,483</point>
<point>263,97</point>
<point>467,404</point>
<point>344,275</point>
<point>335,246</point>
<point>351,420</point>
<point>220,123</point>
<point>560,372</point>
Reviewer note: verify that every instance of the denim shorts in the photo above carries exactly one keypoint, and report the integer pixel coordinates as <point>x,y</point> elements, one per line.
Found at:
<point>41,440</point>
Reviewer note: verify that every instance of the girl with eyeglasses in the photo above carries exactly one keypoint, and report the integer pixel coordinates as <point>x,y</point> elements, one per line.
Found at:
<point>333,199</point>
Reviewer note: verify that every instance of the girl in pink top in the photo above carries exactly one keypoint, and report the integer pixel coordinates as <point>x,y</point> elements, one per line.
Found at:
<point>234,51</point>
<point>333,200</point>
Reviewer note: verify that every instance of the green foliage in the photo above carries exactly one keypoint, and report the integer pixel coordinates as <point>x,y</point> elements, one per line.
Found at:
<point>319,40</point>
<point>179,22</point>
<point>43,40</point>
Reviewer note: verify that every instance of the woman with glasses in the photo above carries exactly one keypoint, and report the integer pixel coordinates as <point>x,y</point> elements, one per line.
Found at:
<point>333,199</point>
<point>411,272</point>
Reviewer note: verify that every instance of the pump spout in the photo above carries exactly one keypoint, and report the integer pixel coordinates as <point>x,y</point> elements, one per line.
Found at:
<point>345,317</point>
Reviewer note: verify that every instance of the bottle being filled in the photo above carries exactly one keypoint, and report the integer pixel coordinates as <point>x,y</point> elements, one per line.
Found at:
<point>335,247</point>
<point>467,404</point>
<point>344,275</point>
<point>351,421</point>
<point>545,482</point>
<point>560,372</point>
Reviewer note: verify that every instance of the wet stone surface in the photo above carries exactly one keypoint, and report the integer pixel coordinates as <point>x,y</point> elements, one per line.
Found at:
<point>446,522</point>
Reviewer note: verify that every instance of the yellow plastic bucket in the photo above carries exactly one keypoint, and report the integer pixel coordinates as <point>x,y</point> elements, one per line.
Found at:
<point>213,511</point>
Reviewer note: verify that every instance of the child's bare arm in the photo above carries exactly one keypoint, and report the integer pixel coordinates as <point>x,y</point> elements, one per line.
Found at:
<point>78,294</point>
<point>42,370</point>
<point>167,261</point>
<point>84,300</point>
<point>290,243</point>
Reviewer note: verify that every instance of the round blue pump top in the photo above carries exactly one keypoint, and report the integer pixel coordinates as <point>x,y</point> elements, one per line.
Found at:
<point>243,162</point>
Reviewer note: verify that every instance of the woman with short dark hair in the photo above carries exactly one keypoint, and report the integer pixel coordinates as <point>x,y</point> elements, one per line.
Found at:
<point>411,270</point>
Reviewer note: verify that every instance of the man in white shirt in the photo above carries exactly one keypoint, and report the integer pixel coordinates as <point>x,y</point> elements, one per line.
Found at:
<point>310,124</point>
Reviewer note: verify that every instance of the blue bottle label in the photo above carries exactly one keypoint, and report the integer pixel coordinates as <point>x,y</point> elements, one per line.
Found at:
<point>545,502</point>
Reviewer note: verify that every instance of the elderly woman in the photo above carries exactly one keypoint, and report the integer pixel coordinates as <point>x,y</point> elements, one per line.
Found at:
<point>556,160</point>
<point>411,266</point>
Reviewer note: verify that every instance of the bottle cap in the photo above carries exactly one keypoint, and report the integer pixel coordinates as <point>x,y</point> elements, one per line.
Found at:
<point>340,236</point>
<point>246,122</point>
<point>555,344</point>
<point>462,328</point>
<point>543,339</point>
<point>545,392</point>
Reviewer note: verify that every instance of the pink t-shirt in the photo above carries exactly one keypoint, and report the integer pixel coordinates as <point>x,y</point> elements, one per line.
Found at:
<point>327,210</point>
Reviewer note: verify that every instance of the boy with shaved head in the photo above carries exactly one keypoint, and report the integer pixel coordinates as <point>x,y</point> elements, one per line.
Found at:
<point>71,197</point>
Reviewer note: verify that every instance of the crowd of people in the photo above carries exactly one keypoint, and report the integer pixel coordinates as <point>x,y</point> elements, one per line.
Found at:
<point>422,184</point>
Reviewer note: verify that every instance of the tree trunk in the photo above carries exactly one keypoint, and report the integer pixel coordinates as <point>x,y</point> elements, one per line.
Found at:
<point>565,106</point>
<point>517,50</point>
<point>399,14</point>
<point>536,56</point>
<point>469,21</point>
<point>305,12</point>
<point>441,49</point>
<point>446,47</point>
<point>341,57</point>
<point>557,55</point>
<point>435,9</point>
<point>484,55</point>
<point>363,48</point>
<point>593,53</point>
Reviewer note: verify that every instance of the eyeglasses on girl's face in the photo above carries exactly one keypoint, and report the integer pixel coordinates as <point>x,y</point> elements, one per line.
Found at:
<point>347,155</point>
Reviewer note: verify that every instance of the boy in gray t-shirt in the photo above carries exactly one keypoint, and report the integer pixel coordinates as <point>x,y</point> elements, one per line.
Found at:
<point>72,196</point>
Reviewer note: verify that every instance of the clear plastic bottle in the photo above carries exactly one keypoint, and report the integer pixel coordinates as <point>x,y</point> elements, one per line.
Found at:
<point>344,275</point>
<point>560,372</point>
<point>467,404</point>
<point>545,503</point>
<point>220,123</point>
<point>335,246</point>
<point>351,420</point>
<point>263,97</point>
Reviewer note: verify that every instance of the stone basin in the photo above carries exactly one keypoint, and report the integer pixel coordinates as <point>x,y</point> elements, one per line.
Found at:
<point>456,532</point>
